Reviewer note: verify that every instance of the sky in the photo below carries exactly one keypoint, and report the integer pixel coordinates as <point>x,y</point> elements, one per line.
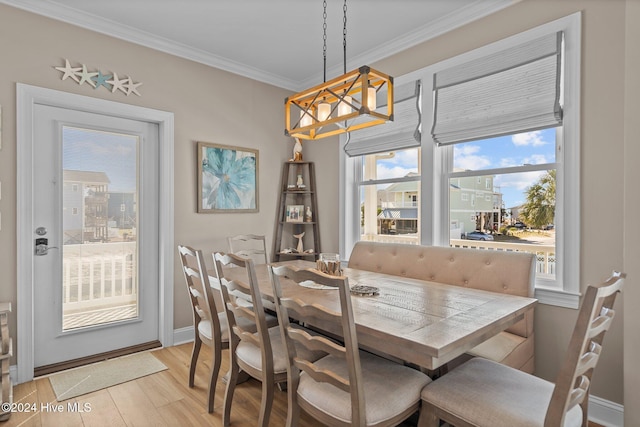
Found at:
<point>114,154</point>
<point>533,148</point>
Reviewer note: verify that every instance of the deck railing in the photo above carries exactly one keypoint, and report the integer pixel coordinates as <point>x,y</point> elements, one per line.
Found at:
<point>99,275</point>
<point>545,254</point>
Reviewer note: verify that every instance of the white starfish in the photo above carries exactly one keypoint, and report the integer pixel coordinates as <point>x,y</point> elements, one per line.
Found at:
<point>86,76</point>
<point>68,71</point>
<point>118,84</point>
<point>132,87</point>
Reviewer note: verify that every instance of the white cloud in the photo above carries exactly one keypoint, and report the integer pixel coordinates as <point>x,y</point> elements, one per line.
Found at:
<point>518,181</point>
<point>385,172</point>
<point>466,158</point>
<point>529,138</point>
<point>535,159</point>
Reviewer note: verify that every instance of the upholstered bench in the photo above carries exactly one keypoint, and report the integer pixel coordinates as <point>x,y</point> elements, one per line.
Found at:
<point>496,271</point>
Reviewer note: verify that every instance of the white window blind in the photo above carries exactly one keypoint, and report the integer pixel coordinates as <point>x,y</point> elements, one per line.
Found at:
<point>511,91</point>
<point>403,132</point>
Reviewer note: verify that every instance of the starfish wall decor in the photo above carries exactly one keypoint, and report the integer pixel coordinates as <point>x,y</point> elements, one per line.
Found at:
<point>96,79</point>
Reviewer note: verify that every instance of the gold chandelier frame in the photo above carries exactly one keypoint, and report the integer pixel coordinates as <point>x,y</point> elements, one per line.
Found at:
<point>334,92</point>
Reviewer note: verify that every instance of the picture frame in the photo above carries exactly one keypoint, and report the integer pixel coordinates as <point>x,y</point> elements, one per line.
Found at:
<point>227,179</point>
<point>295,213</point>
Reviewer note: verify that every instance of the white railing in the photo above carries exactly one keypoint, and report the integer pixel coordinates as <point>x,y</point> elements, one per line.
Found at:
<point>405,239</point>
<point>400,204</point>
<point>545,254</point>
<point>99,275</point>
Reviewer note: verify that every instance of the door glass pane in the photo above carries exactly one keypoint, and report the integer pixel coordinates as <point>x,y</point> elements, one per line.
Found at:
<point>100,219</point>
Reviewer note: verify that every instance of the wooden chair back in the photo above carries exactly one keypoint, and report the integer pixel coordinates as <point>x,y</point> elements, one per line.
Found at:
<point>352,383</point>
<point>242,299</point>
<point>200,293</point>
<point>250,246</point>
<point>585,346</point>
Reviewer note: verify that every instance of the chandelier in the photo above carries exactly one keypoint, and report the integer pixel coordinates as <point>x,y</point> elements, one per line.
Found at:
<point>344,104</point>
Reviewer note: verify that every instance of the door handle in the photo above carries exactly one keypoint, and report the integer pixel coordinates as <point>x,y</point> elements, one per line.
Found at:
<point>42,246</point>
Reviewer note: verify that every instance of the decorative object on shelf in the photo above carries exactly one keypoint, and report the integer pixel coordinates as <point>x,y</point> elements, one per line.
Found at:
<point>329,264</point>
<point>227,179</point>
<point>96,79</point>
<point>344,104</point>
<point>295,213</point>
<point>299,248</point>
<point>300,182</point>
<point>297,151</point>
<point>308,215</point>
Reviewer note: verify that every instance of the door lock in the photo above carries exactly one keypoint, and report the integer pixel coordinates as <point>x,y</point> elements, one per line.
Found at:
<point>42,246</point>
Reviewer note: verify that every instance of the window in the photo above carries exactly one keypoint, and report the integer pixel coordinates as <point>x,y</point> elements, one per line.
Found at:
<point>388,196</point>
<point>520,169</point>
<point>463,184</point>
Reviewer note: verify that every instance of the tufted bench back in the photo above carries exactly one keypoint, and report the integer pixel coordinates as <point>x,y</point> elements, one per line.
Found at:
<point>497,271</point>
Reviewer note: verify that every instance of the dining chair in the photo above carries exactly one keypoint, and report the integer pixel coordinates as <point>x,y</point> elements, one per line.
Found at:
<point>348,387</point>
<point>485,393</point>
<point>211,327</point>
<point>249,245</point>
<point>258,352</point>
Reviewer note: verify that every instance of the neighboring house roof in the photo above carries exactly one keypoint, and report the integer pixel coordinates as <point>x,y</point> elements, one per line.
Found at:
<point>399,213</point>
<point>86,177</point>
<point>402,187</point>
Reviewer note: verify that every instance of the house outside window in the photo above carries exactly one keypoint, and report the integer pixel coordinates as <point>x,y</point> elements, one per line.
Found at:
<point>450,173</point>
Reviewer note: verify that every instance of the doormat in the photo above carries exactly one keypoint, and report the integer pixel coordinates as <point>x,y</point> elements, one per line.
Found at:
<point>90,378</point>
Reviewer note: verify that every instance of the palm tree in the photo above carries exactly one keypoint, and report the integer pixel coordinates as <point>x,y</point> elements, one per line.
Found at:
<point>540,207</point>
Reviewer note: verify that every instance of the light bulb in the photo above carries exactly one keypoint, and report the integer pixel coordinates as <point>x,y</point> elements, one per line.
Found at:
<point>305,119</point>
<point>371,98</point>
<point>324,110</point>
<point>343,107</point>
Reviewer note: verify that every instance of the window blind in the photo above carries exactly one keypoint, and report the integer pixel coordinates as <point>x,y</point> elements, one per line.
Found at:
<point>511,91</point>
<point>403,132</point>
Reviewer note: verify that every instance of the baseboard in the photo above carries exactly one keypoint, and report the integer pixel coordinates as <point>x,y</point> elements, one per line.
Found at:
<point>183,335</point>
<point>605,413</point>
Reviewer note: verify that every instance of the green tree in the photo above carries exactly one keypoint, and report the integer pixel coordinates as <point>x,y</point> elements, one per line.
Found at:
<point>540,207</point>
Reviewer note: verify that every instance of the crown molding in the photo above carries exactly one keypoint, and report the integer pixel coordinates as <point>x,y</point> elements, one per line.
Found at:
<point>476,11</point>
<point>111,28</point>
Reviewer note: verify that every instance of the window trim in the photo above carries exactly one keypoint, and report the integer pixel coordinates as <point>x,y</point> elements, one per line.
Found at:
<point>434,227</point>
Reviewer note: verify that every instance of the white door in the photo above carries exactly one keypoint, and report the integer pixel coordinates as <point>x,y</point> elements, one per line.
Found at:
<point>95,224</point>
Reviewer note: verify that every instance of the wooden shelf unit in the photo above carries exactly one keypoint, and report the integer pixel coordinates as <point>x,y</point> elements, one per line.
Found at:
<point>293,195</point>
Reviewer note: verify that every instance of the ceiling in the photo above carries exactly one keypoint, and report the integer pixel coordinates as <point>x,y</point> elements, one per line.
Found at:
<point>279,42</point>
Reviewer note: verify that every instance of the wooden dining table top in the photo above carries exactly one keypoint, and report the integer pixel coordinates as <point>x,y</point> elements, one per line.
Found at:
<point>420,322</point>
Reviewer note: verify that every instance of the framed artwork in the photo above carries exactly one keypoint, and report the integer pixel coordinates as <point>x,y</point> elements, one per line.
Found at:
<point>295,213</point>
<point>227,179</point>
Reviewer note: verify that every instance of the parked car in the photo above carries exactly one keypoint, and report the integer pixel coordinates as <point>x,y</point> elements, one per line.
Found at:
<point>520,225</point>
<point>477,235</point>
<point>549,227</point>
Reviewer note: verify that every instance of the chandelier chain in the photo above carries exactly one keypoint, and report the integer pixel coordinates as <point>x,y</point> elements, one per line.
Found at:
<point>324,39</point>
<point>344,36</point>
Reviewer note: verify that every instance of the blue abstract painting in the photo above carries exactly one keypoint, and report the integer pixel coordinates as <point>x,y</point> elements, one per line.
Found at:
<point>227,178</point>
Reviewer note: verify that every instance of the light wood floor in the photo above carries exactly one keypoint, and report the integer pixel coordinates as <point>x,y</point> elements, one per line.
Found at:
<point>161,399</point>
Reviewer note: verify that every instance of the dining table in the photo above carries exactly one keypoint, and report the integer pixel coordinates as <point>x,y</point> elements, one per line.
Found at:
<point>424,323</point>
